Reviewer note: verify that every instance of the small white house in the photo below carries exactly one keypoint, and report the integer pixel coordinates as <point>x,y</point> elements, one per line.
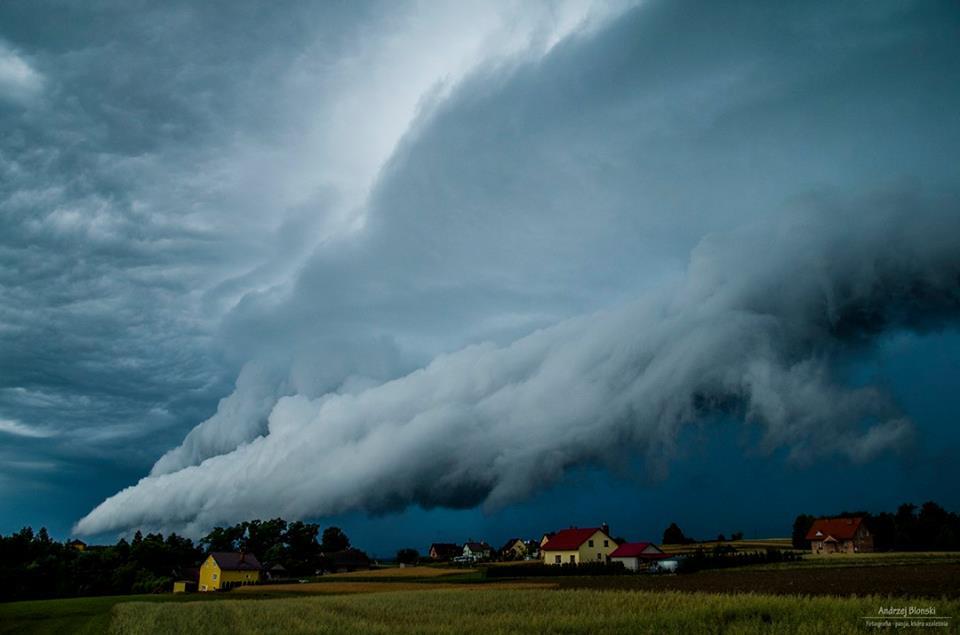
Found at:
<point>637,555</point>
<point>473,551</point>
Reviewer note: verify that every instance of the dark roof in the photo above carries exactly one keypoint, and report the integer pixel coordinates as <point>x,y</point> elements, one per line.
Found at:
<point>511,542</point>
<point>568,539</point>
<point>191,574</point>
<point>477,546</point>
<point>636,549</point>
<point>839,528</point>
<point>75,541</point>
<point>446,549</point>
<point>236,561</point>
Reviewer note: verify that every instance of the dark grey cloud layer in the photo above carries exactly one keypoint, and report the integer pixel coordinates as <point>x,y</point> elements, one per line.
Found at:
<point>158,163</point>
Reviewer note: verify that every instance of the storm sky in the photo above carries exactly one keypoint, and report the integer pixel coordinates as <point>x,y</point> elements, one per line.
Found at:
<point>425,269</point>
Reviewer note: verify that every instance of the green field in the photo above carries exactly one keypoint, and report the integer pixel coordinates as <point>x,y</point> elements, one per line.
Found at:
<point>510,611</point>
<point>816,595</point>
<point>84,616</point>
<point>920,558</point>
<point>487,610</point>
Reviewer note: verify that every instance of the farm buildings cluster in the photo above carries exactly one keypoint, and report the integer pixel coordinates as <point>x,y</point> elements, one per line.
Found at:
<point>572,546</point>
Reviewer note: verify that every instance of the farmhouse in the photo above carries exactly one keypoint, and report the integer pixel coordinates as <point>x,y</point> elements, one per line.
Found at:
<point>79,545</point>
<point>227,569</point>
<point>637,555</point>
<point>476,550</point>
<point>443,551</point>
<point>577,545</point>
<point>839,535</point>
<point>514,549</point>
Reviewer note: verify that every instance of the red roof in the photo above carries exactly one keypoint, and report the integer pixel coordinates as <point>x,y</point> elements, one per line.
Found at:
<point>634,549</point>
<point>839,528</point>
<point>570,539</point>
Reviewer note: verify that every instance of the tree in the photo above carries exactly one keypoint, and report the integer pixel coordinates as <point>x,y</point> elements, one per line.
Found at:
<point>737,535</point>
<point>673,535</point>
<point>801,525</point>
<point>408,556</point>
<point>302,550</point>
<point>222,538</point>
<point>334,540</point>
<point>259,537</point>
<point>906,521</point>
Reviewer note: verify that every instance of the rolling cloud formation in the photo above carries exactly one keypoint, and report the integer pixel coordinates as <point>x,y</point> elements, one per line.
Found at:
<point>755,327</point>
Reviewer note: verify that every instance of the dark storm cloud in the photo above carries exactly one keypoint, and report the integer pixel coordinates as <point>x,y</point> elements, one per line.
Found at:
<point>127,136</point>
<point>749,196</point>
<point>158,163</point>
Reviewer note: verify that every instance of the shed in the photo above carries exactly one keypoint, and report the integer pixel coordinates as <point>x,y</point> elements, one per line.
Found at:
<point>637,555</point>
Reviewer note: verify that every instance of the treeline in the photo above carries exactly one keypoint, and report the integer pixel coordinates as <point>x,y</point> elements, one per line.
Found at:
<point>33,566</point>
<point>927,528</point>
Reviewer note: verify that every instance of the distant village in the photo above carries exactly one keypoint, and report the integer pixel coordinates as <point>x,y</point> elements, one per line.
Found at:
<point>276,551</point>
<point>569,547</point>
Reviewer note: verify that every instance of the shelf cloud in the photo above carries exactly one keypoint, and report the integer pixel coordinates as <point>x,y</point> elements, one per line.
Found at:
<point>755,328</point>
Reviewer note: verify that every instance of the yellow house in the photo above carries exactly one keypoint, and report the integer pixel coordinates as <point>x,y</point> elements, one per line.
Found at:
<point>224,570</point>
<point>578,545</point>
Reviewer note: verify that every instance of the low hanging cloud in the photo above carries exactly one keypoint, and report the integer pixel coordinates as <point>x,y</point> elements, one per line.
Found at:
<point>759,327</point>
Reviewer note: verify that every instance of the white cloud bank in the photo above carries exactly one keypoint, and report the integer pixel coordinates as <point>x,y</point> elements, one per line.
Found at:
<point>755,329</point>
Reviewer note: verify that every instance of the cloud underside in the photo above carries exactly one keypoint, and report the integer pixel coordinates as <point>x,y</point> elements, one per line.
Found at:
<point>754,330</point>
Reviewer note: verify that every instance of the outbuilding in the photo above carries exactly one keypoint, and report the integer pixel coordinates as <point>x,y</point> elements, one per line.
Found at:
<point>637,555</point>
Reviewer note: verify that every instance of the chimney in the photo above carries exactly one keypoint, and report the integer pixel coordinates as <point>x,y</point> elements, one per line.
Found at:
<point>605,528</point>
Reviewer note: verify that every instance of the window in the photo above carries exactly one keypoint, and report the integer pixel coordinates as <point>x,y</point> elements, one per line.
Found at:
<point>606,543</point>
<point>214,576</point>
<point>557,559</point>
<point>573,559</point>
<point>599,556</point>
<point>590,543</point>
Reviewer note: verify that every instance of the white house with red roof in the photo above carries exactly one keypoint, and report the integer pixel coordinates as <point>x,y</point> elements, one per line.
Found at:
<point>637,555</point>
<point>840,535</point>
<point>578,545</point>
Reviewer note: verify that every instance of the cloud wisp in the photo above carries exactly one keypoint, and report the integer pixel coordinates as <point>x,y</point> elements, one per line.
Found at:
<point>758,327</point>
<point>16,428</point>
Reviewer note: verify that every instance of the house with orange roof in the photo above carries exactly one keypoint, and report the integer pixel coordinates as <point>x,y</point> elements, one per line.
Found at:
<point>578,545</point>
<point>840,535</point>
